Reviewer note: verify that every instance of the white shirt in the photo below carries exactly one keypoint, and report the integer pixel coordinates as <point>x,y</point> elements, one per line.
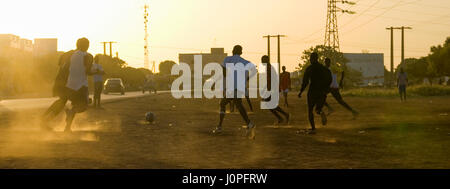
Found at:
<point>334,83</point>
<point>77,71</point>
<point>97,77</point>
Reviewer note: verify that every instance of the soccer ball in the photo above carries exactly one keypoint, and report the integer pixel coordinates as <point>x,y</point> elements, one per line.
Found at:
<point>150,117</point>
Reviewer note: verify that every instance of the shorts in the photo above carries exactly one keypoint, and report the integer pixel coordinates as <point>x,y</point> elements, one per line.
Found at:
<point>285,90</point>
<point>316,100</point>
<point>402,88</point>
<point>79,99</point>
<point>98,88</point>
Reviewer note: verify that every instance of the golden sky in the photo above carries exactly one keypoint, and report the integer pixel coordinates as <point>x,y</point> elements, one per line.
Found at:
<point>189,26</point>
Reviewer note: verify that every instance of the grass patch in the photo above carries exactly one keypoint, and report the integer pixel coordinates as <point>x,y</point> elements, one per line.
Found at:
<point>417,90</point>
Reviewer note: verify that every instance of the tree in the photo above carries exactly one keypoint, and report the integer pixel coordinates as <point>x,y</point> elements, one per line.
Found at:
<point>439,58</point>
<point>165,67</point>
<point>417,69</point>
<point>338,63</point>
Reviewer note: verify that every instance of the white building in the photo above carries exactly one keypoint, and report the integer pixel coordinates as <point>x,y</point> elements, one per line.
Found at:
<point>371,65</point>
<point>45,46</point>
<point>9,41</point>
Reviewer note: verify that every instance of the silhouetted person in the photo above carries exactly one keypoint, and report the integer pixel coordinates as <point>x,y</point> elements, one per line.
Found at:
<point>236,58</point>
<point>334,90</point>
<point>285,84</point>
<point>98,72</point>
<point>247,97</point>
<point>71,84</point>
<point>402,83</point>
<point>319,79</point>
<point>275,111</point>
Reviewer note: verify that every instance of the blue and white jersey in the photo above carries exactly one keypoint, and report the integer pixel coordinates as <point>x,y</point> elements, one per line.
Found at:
<point>241,85</point>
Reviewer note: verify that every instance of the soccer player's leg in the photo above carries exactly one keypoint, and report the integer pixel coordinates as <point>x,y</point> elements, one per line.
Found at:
<point>286,115</point>
<point>275,113</point>
<point>250,132</point>
<point>320,101</point>
<point>311,104</point>
<point>223,104</point>
<point>285,94</point>
<point>249,103</point>
<point>51,113</point>
<point>337,95</point>
<point>79,104</point>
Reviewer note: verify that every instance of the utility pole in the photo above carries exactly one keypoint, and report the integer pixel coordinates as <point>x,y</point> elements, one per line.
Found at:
<point>110,48</point>
<point>403,42</point>
<point>392,49</point>
<point>104,47</point>
<point>146,53</point>
<point>392,55</point>
<point>279,52</point>
<point>268,44</point>
<point>278,48</point>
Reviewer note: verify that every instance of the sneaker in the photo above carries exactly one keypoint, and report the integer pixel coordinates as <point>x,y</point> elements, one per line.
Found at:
<point>217,130</point>
<point>250,132</point>
<point>324,118</point>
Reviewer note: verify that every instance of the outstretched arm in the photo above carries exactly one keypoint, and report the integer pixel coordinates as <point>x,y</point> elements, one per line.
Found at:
<point>305,82</point>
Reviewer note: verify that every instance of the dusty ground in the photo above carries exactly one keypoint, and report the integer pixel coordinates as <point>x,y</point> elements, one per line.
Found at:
<point>388,134</point>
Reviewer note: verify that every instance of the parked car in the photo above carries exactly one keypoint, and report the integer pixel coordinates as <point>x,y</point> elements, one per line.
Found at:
<point>114,85</point>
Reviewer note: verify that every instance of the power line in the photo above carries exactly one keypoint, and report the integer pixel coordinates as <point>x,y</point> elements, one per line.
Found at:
<point>374,18</point>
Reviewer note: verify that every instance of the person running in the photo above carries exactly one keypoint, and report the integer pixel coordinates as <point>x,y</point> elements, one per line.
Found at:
<point>285,84</point>
<point>247,97</point>
<point>275,111</point>
<point>71,84</point>
<point>319,79</point>
<point>235,59</point>
<point>98,72</point>
<point>334,90</point>
<point>402,83</point>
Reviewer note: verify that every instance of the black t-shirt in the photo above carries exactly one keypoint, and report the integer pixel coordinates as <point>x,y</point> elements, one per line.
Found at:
<point>319,78</point>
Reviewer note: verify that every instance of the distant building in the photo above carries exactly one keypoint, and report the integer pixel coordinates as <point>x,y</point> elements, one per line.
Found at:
<point>26,45</point>
<point>371,65</point>
<point>217,55</point>
<point>45,46</point>
<point>8,41</point>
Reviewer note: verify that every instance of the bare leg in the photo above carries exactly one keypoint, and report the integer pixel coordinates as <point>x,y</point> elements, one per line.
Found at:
<point>286,99</point>
<point>249,103</point>
<point>70,115</point>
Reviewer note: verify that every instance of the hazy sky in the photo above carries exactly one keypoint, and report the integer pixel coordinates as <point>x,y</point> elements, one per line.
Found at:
<point>189,26</point>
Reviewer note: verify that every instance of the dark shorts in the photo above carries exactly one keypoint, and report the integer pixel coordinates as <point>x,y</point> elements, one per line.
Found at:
<point>98,88</point>
<point>79,99</point>
<point>336,94</point>
<point>402,88</point>
<point>317,100</point>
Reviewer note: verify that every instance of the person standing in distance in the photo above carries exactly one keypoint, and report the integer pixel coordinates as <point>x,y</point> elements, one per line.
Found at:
<point>98,72</point>
<point>285,84</point>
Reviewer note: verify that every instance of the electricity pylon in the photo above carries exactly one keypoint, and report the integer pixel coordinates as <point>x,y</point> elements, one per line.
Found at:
<point>331,28</point>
